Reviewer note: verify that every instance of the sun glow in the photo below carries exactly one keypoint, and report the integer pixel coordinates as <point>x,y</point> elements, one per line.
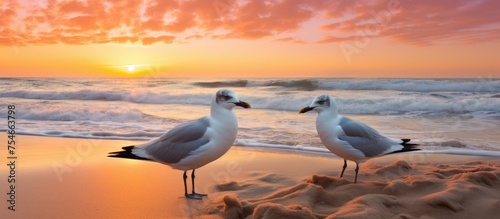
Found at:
<point>131,68</point>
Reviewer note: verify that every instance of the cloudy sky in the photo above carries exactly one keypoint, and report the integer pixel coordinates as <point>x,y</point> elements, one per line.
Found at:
<point>250,38</point>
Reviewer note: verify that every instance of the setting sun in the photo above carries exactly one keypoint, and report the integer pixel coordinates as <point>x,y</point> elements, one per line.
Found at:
<point>131,68</point>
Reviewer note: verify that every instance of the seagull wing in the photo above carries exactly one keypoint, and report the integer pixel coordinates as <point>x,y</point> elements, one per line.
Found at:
<point>179,142</point>
<point>363,138</point>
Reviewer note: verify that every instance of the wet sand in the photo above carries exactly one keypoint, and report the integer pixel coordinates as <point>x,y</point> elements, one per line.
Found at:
<point>68,177</point>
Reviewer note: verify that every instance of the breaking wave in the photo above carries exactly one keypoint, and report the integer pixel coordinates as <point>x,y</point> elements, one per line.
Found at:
<point>369,104</point>
<point>416,85</point>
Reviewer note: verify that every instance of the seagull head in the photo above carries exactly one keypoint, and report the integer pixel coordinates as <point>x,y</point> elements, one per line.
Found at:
<point>321,103</point>
<point>228,99</point>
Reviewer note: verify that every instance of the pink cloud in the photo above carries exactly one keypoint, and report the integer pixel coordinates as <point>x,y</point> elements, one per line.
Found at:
<point>290,39</point>
<point>151,40</point>
<point>422,22</point>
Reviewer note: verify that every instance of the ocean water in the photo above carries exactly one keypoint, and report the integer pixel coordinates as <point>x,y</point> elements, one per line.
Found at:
<point>439,114</point>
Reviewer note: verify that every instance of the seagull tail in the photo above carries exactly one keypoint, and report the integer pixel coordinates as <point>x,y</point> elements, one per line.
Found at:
<point>126,153</point>
<point>406,147</point>
<point>405,142</point>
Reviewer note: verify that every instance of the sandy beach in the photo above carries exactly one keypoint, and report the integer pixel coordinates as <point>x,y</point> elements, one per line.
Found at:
<point>71,177</point>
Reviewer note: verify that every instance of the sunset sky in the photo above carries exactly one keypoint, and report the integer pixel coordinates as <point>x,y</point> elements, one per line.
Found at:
<point>250,38</point>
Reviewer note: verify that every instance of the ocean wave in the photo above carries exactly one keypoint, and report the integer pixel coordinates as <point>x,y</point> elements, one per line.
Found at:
<point>469,152</point>
<point>135,136</point>
<point>134,96</point>
<point>384,105</point>
<point>430,150</point>
<point>307,85</point>
<point>366,104</point>
<point>301,84</point>
<point>82,114</point>
<point>421,105</point>
<point>246,143</point>
<point>416,85</point>
<point>212,84</point>
<point>66,95</point>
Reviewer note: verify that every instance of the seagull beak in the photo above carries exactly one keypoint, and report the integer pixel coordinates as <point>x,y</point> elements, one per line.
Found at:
<point>306,109</point>
<point>243,104</point>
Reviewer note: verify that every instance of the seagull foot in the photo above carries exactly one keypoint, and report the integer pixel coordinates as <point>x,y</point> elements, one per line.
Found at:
<point>194,196</point>
<point>199,194</point>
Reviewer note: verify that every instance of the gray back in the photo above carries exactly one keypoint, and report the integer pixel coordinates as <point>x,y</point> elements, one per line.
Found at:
<point>176,144</point>
<point>364,138</point>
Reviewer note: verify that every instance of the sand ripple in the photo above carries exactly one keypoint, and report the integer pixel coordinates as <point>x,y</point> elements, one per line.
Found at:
<point>398,190</point>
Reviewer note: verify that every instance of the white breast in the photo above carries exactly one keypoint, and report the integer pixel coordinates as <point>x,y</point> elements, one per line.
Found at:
<point>221,134</point>
<point>328,130</point>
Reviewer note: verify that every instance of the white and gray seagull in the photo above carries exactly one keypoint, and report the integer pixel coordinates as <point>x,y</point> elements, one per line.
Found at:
<point>195,143</point>
<point>350,139</point>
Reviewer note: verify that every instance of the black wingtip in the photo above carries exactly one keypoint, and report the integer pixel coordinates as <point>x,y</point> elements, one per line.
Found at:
<point>126,153</point>
<point>407,147</point>
<point>405,150</point>
<point>128,148</point>
<point>405,143</point>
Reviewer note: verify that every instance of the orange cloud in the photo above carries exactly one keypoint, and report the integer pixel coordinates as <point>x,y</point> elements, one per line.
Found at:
<point>422,22</point>
<point>151,40</point>
<point>289,39</point>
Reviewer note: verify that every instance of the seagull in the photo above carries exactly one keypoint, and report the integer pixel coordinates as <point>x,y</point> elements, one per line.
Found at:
<point>193,144</point>
<point>350,139</point>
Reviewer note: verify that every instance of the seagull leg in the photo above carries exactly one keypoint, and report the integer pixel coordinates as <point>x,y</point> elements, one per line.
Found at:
<point>343,168</point>
<point>194,193</point>
<point>356,177</point>
<point>191,196</point>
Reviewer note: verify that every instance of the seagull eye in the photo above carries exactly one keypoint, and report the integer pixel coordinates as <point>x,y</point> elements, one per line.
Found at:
<point>321,102</point>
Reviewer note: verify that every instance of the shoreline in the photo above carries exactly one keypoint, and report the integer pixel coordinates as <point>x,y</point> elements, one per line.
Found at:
<point>306,150</point>
<point>67,176</point>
